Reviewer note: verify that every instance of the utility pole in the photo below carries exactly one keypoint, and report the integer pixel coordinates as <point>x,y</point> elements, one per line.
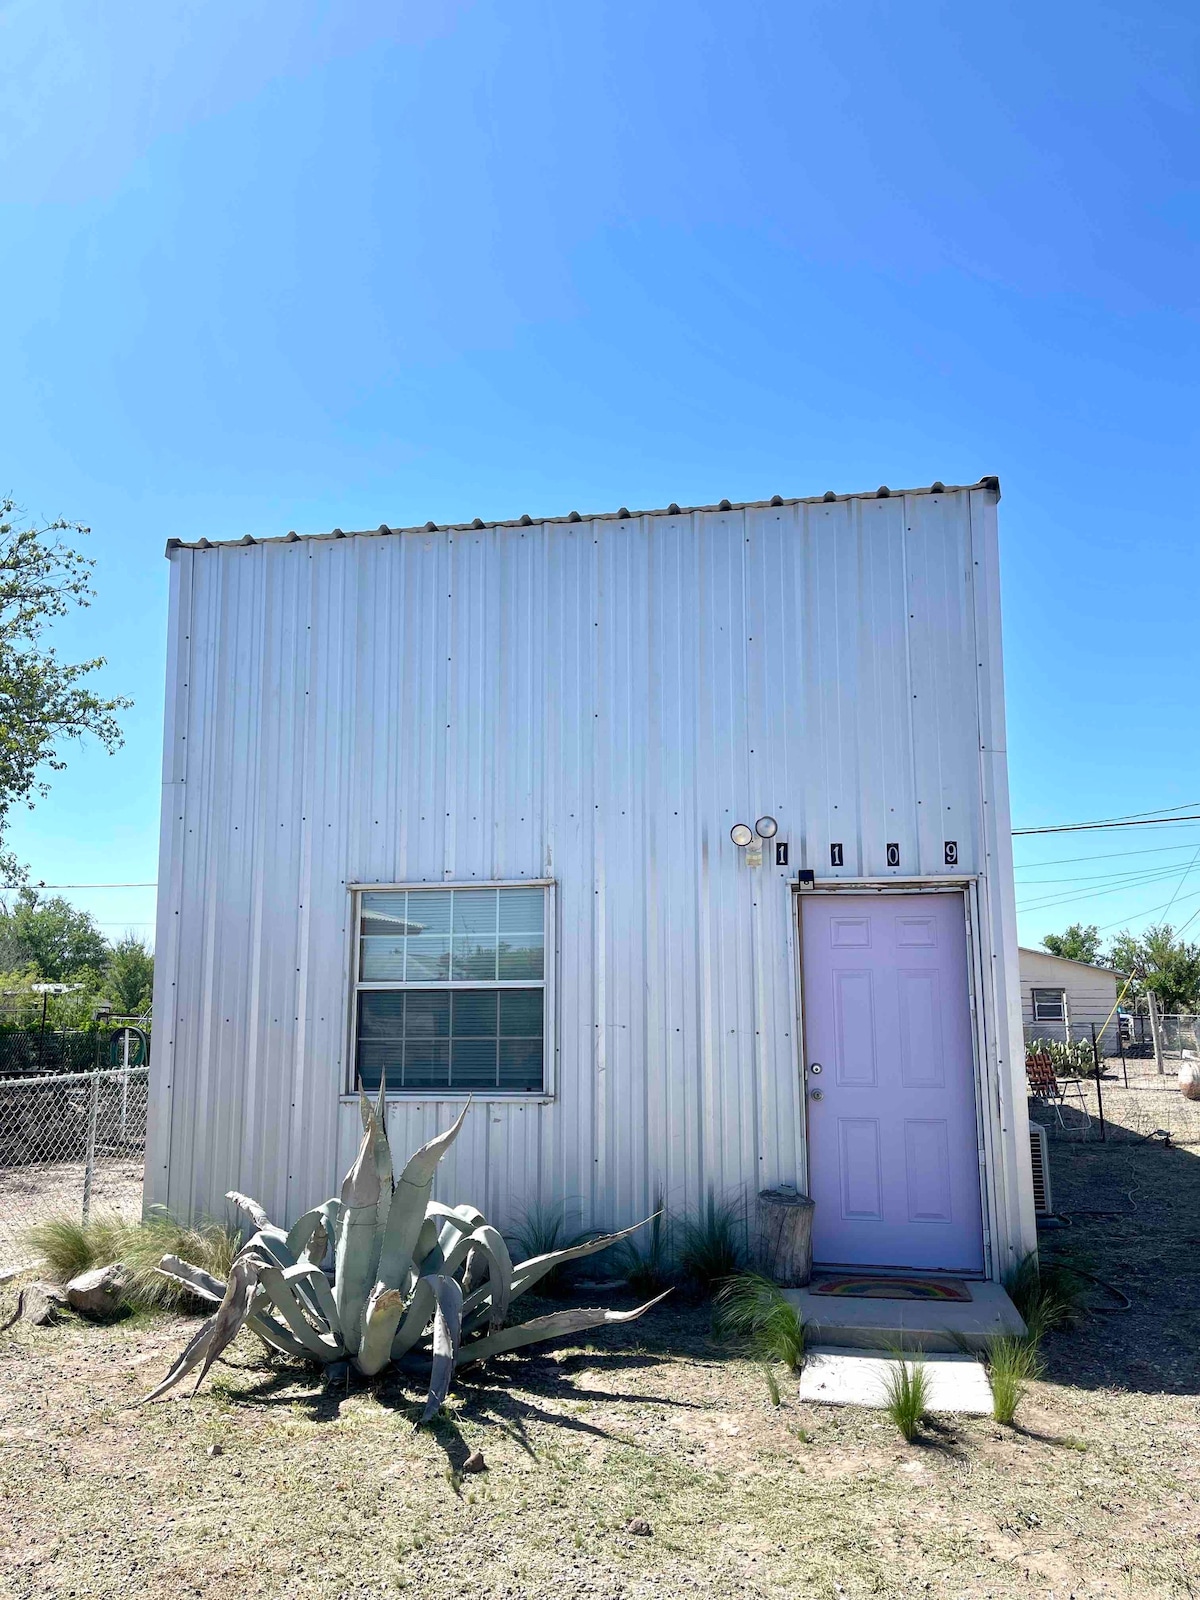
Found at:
<point>1156,1032</point>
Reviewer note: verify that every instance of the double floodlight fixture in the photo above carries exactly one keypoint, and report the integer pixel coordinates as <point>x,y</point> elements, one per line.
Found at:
<point>742,833</point>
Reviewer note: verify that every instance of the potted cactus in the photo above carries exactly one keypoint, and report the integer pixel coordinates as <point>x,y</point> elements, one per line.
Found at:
<point>412,1279</point>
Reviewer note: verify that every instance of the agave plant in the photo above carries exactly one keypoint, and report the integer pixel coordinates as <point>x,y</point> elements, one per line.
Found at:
<point>412,1277</point>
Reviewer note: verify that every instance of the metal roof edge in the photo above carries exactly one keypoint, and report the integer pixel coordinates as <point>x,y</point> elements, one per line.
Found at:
<point>1093,966</point>
<point>988,482</point>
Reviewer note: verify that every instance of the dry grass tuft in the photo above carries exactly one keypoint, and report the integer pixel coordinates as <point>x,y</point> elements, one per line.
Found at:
<point>68,1247</point>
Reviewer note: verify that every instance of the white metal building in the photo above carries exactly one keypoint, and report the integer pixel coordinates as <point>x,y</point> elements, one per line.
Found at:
<point>455,803</point>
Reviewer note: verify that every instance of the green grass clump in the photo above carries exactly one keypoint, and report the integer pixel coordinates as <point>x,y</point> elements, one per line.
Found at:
<point>646,1260</point>
<point>1046,1293</point>
<point>712,1244</point>
<point>541,1230</point>
<point>1012,1365</point>
<point>68,1247</point>
<point>906,1388</point>
<point>752,1307</point>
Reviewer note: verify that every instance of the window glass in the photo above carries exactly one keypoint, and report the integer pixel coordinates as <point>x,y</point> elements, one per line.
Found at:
<point>451,989</point>
<point>1048,1005</point>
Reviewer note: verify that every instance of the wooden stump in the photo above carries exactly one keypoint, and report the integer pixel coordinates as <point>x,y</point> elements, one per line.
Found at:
<point>785,1219</point>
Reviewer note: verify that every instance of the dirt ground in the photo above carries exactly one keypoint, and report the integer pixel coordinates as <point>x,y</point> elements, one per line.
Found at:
<point>320,1493</point>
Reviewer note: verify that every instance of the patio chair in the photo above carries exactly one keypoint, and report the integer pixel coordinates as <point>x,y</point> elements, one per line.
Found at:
<point>1044,1086</point>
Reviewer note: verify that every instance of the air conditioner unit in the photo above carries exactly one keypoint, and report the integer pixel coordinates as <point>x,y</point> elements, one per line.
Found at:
<point>1039,1157</point>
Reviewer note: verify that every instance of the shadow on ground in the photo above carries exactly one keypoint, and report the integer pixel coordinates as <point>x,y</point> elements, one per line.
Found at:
<point>1133,1209</point>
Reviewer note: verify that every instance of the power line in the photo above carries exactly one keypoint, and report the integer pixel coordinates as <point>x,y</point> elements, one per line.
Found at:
<point>41,885</point>
<point>1085,827</point>
<point>1046,901</point>
<point>1111,855</point>
<point>1159,811</point>
<point>1149,912</point>
<point>1094,880</point>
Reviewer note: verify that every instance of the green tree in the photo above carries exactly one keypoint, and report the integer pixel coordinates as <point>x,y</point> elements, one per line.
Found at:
<point>1161,961</point>
<point>1076,944</point>
<point>58,941</point>
<point>129,980</point>
<point>43,700</point>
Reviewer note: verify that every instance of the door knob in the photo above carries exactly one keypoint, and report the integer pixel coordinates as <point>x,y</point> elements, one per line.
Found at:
<point>816,1095</point>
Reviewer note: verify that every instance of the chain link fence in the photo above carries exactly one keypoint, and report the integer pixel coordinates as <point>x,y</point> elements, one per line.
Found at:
<point>71,1145</point>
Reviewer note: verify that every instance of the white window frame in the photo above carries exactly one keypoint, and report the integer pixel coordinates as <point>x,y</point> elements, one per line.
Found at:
<point>1047,988</point>
<point>547,983</point>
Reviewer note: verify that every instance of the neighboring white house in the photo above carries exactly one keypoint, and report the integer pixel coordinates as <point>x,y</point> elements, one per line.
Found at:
<point>1061,999</point>
<point>453,805</point>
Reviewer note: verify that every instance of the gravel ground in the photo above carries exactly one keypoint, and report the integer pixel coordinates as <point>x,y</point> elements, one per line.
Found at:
<point>327,1494</point>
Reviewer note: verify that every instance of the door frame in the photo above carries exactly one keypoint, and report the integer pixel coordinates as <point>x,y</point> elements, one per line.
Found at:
<point>984,1080</point>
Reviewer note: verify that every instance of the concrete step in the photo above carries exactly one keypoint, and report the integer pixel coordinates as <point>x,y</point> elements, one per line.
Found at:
<point>849,1323</point>
<point>830,1376</point>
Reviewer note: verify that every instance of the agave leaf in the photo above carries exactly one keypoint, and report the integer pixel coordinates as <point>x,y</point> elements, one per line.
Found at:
<point>428,1240</point>
<point>383,1154</point>
<point>527,1273</point>
<point>554,1326</point>
<point>360,1186</point>
<point>475,1273</point>
<point>269,1328</point>
<point>416,1319</point>
<point>489,1243</point>
<point>201,1283</point>
<point>381,1317</point>
<point>458,1220</point>
<point>252,1208</point>
<point>358,1239</point>
<point>309,1236</point>
<point>221,1328</point>
<point>281,1288</point>
<point>447,1327</point>
<point>409,1200</point>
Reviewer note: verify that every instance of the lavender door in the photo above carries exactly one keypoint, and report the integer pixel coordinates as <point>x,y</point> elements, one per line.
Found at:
<point>890,1078</point>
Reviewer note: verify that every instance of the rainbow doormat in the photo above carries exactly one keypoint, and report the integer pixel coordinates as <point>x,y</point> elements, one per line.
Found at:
<point>860,1288</point>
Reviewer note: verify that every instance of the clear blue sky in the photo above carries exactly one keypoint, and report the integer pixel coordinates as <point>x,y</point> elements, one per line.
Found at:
<point>274,266</point>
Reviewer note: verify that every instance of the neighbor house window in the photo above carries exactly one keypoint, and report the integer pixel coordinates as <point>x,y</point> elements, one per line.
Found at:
<point>1049,1005</point>
<point>450,989</point>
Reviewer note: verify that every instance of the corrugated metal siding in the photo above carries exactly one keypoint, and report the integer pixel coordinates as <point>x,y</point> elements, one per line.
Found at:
<point>595,702</point>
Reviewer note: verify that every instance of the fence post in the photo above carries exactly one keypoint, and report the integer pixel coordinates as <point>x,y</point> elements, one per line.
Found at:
<point>1099,1091</point>
<point>89,1163</point>
<point>1155,1032</point>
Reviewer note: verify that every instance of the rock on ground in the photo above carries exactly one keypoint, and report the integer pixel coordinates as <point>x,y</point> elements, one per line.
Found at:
<point>100,1292</point>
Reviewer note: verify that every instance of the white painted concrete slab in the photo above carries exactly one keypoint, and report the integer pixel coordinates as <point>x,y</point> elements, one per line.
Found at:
<point>858,1378</point>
